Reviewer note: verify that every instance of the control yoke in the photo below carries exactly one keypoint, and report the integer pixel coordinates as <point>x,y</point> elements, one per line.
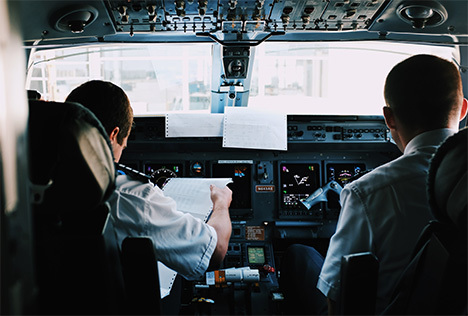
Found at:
<point>320,195</point>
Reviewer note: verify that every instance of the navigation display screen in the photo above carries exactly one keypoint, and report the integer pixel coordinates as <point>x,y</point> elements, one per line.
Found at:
<point>256,255</point>
<point>298,181</point>
<point>241,174</point>
<point>342,172</point>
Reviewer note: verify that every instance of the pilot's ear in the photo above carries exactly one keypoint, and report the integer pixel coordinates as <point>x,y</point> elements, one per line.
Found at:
<point>389,117</point>
<point>113,134</point>
<point>464,109</point>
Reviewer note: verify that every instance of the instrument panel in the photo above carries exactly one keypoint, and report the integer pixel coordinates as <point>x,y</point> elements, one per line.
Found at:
<point>268,185</point>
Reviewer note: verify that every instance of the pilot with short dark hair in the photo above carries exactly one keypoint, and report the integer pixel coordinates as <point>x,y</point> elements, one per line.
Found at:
<point>181,241</point>
<point>385,210</point>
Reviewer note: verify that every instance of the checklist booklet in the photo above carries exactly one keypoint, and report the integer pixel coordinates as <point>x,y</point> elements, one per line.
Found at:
<point>192,195</point>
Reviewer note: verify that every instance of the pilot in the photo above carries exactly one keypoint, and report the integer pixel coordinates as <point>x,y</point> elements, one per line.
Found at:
<point>182,242</point>
<point>384,211</point>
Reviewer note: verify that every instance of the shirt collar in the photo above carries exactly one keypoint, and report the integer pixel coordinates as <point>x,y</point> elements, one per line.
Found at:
<point>430,138</point>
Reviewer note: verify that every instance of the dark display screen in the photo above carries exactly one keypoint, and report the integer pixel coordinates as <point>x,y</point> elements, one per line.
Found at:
<point>160,172</point>
<point>298,181</point>
<point>342,172</point>
<point>256,255</point>
<point>241,187</point>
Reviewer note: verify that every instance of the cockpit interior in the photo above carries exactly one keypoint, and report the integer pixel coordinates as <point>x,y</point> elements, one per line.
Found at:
<point>284,97</point>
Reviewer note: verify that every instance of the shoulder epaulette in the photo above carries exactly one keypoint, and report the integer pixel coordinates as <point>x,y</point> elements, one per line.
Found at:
<point>132,173</point>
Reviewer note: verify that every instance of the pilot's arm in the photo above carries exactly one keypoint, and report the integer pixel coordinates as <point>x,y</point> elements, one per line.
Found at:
<point>182,242</point>
<point>221,222</point>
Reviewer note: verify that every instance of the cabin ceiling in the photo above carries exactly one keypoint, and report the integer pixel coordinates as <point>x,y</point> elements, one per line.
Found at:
<point>242,20</point>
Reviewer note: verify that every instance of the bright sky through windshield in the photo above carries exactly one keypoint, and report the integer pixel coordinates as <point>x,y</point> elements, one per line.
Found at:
<point>344,78</point>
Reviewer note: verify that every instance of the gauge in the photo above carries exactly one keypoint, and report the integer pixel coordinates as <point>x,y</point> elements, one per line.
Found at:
<point>344,176</point>
<point>197,169</point>
<point>160,176</point>
<point>160,172</point>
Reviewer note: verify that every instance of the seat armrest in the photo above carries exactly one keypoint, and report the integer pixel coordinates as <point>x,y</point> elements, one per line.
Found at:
<point>140,272</point>
<point>359,275</point>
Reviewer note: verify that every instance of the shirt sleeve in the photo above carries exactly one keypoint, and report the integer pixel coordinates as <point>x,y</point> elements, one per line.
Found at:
<point>181,241</point>
<point>353,235</point>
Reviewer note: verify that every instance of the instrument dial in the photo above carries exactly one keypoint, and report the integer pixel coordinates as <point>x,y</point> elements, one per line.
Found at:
<point>197,169</point>
<point>160,176</point>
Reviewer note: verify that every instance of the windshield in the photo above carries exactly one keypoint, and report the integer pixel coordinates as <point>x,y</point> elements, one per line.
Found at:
<point>344,78</point>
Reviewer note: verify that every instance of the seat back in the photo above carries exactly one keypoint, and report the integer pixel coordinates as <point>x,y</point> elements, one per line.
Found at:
<point>447,182</point>
<point>140,270</point>
<point>71,156</point>
<point>72,174</point>
<point>359,275</point>
<point>435,281</point>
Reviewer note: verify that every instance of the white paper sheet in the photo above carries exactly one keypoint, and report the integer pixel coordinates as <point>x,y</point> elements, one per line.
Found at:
<point>166,279</point>
<point>194,125</point>
<point>192,195</point>
<point>249,128</point>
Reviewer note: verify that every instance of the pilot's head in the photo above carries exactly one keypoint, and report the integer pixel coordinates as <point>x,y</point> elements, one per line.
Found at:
<point>423,93</point>
<point>111,106</point>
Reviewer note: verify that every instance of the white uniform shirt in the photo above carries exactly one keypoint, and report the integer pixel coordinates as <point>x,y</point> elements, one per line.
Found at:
<point>384,212</point>
<point>181,241</point>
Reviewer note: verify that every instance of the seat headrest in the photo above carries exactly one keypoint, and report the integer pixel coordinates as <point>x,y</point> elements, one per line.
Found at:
<point>447,181</point>
<point>69,147</point>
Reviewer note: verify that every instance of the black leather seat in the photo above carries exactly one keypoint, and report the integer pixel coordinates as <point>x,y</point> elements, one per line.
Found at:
<point>72,175</point>
<point>359,276</point>
<point>435,282</point>
<point>140,271</point>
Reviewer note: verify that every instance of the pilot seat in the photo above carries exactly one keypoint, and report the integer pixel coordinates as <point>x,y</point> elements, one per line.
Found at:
<point>72,174</point>
<point>435,282</point>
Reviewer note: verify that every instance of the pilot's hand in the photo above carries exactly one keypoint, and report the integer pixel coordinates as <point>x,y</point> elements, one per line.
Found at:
<point>221,222</point>
<point>221,197</point>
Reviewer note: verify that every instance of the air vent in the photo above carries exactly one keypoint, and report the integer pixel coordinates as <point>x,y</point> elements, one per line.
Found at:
<point>74,19</point>
<point>421,14</point>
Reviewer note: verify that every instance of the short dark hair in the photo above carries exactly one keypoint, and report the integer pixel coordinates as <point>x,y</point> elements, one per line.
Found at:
<point>424,91</point>
<point>108,102</point>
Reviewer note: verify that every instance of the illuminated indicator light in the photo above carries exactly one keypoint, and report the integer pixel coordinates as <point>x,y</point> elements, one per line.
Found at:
<point>239,171</point>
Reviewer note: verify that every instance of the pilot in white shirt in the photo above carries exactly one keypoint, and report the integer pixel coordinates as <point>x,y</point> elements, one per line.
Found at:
<point>384,213</point>
<point>181,241</point>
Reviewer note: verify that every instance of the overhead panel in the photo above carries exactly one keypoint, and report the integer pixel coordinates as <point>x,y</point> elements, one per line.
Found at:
<point>298,14</point>
<point>240,16</point>
<point>191,15</point>
<point>349,15</point>
<point>244,11</point>
<point>178,15</point>
<point>138,16</point>
<point>151,16</point>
